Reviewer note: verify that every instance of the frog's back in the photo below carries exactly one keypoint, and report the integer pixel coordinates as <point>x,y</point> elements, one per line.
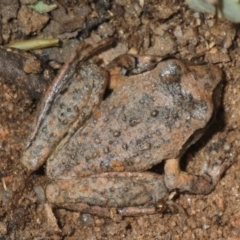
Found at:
<point>155,116</point>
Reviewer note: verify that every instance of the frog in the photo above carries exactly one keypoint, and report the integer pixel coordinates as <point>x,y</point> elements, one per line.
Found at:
<point>98,149</point>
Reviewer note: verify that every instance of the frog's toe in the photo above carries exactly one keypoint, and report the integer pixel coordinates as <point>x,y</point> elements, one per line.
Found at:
<point>175,179</point>
<point>216,169</point>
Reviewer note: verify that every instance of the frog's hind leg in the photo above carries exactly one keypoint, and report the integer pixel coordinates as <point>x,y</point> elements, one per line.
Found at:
<point>129,193</point>
<point>175,179</point>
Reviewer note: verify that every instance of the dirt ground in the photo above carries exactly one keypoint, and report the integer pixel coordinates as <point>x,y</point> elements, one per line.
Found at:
<point>145,27</point>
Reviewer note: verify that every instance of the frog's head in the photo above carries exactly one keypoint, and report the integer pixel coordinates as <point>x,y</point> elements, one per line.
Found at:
<point>196,93</point>
<point>206,85</point>
<point>209,80</point>
<point>201,83</point>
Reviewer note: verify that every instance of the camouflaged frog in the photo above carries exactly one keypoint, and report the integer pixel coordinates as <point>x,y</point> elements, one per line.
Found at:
<point>98,152</point>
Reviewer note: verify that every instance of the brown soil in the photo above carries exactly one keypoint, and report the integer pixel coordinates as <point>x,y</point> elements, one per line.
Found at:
<point>160,28</point>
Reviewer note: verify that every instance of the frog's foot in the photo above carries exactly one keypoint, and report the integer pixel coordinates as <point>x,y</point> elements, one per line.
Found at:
<point>175,179</point>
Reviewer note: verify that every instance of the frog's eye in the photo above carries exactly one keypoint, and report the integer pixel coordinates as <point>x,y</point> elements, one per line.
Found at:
<point>170,72</point>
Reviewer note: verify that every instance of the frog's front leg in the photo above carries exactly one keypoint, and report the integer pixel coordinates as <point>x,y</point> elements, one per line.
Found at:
<point>130,64</point>
<point>175,179</point>
<point>130,193</point>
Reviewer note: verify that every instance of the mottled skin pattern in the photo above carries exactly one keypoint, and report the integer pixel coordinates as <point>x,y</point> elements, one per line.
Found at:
<point>111,190</point>
<point>138,125</point>
<point>153,116</point>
